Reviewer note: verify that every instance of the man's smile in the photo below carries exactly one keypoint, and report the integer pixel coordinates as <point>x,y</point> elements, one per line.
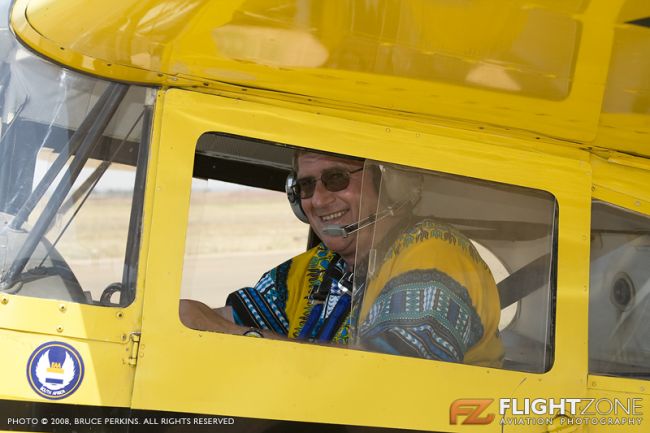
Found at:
<point>332,216</point>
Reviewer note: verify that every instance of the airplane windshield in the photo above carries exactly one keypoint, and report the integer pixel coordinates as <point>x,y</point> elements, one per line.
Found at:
<point>70,151</point>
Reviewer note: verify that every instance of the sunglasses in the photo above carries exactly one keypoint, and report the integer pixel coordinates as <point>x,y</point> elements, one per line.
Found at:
<point>334,179</point>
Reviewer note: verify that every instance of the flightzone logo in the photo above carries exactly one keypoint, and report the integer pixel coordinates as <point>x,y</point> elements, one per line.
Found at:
<point>546,411</point>
<point>472,410</point>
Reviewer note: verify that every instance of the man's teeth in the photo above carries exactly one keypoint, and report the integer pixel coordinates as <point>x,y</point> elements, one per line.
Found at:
<point>332,216</point>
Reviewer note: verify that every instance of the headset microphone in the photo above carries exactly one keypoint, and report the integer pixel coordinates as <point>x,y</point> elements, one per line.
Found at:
<point>345,231</point>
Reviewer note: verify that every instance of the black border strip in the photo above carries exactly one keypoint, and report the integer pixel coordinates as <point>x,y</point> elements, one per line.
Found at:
<point>25,416</point>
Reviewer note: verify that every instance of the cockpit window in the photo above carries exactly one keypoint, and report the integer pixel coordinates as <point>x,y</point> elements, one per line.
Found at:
<point>399,260</point>
<point>73,150</point>
<point>619,294</point>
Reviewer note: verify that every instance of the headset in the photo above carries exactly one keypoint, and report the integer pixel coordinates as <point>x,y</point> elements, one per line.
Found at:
<point>402,188</point>
<point>294,197</point>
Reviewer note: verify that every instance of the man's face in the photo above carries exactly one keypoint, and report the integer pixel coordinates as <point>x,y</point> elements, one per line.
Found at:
<point>326,207</point>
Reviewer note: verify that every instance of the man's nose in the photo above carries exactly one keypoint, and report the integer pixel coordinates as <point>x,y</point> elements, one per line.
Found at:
<point>322,196</point>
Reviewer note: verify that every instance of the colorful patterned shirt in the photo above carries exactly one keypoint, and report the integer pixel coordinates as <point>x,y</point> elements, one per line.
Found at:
<point>302,291</point>
<point>432,297</point>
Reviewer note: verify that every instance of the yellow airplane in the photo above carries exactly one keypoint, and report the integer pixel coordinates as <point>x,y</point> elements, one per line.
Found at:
<point>144,152</point>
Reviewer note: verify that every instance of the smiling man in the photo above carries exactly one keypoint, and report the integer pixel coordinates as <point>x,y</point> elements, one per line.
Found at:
<point>316,176</point>
<point>308,297</point>
<point>430,295</point>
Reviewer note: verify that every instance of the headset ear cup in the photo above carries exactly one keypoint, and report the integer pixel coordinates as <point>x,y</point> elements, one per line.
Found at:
<point>294,197</point>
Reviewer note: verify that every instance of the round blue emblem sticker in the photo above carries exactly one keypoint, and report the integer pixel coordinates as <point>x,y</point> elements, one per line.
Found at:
<point>55,370</point>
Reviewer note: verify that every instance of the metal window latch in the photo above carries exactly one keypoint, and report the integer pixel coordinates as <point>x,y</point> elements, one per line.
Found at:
<point>133,348</point>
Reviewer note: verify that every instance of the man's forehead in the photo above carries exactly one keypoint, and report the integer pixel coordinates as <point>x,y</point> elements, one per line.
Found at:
<point>319,161</point>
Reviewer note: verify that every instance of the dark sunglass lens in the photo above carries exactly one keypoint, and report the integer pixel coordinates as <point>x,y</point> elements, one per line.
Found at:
<point>336,180</point>
<point>306,187</point>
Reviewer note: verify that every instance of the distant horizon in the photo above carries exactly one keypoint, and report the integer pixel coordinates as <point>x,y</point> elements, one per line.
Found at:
<point>122,178</point>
